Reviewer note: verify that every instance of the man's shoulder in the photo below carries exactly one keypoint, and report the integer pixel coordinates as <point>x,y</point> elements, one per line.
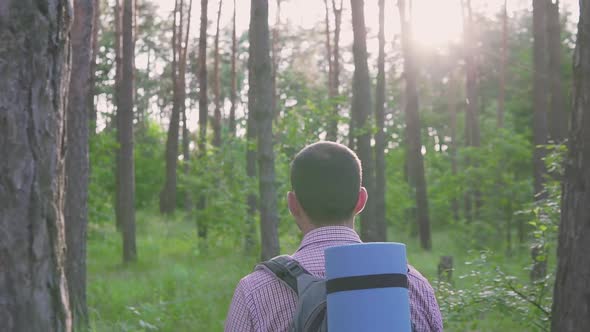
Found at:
<point>257,281</point>
<point>414,276</point>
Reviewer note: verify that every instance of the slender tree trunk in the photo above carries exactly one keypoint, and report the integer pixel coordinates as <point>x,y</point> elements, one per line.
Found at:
<point>182,91</point>
<point>503,60</point>
<point>117,93</point>
<point>92,83</point>
<point>335,83</point>
<point>125,164</point>
<point>452,104</point>
<point>414,148</point>
<point>380,178</point>
<point>276,51</point>
<point>168,193</point>
<point>361,112</point>
<point>34,79</point>
<point>571,306</point>
<point>472,132</point>
<point>263,105</point>
<point>331,130</point>
<point>203,113</point>
<point>558,124</point>
<point>217,114</point>
<point>76,161</point>
<point>232,110</point>
<point>251,136</point>
<point>540,93</point>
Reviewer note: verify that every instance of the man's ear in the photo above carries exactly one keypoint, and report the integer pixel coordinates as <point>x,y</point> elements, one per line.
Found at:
<point>362,200</point>
<point>293,204</point>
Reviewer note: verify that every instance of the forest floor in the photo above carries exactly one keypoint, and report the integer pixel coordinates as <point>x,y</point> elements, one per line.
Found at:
<point>175,287</point>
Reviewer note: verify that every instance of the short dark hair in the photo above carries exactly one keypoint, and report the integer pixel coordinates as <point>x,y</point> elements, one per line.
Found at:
<point>326,178</point>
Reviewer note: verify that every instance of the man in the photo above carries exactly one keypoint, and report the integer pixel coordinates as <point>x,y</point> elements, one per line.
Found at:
<point>326,196</point>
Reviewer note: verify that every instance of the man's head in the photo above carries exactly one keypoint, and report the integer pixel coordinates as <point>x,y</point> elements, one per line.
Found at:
<point>326,187</point>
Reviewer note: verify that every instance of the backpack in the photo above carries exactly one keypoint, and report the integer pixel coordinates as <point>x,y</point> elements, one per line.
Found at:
<point>311,313</point>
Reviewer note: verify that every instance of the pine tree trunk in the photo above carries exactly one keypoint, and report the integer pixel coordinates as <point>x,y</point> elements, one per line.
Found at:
<point>275,49</point>
<point>234,46</point>
<point>77,162</point>
<point>452,105</point>
<point>503,60</point>
<point>333,125</point>
<point>34,79</point>
<point>331,130</point>
<point>203,113</point>
<point>414,145</point>
<point>182,92</point>
<point>558,115</point>
<point>380,178</point>
<point>251,136</point>
<point>168,193</point>
<point>263,106</point>
<point>571,306</point>
<point>125,193</point>
<point>540,93</point>
<point>92,84</point>
<point>216,92</point>
<point>361,112</point>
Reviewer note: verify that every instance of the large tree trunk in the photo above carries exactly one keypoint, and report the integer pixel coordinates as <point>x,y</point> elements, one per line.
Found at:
<point>540,93</point>
<point>125,162</point>
<point>216,92</point>
<point>77,163</point>
<point>361,112</point>
<point>203,113</point>
<point>558,124</point>
<point>251,135</point>
<point>34,76</point>
<point>182,92</point>
<point>232,95</point>
<point>414,157</point>
<point>571,305</point>
<point>380,178</point>
<point>263,106</point>
<point>117,89</point>
<point>168,193</point>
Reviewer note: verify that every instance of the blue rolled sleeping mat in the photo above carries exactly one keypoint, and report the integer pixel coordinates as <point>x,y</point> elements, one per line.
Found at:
<point>367,288</point>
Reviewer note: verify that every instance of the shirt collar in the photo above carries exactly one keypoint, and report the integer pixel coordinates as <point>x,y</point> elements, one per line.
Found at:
<point>330,234</point>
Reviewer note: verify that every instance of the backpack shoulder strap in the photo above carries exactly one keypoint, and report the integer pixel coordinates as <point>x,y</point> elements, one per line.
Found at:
<point>285,269</point>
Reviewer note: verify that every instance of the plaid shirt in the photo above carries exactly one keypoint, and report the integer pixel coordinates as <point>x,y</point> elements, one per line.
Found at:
<point>263,303</point>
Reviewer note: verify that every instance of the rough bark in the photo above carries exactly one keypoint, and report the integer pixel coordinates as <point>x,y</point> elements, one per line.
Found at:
<point>558,115</point>
<point>34,79</point>
<point>263,112</point>
<point>380,178</point>
<point>203,112</point>
<point>540,93</point>
<point>125,191</point>
<point>361,112</point>
<point>77,162</point>
<point>232,94</point>
<point>571,305</point>
<point>414,145</point>
<point>216,92</point>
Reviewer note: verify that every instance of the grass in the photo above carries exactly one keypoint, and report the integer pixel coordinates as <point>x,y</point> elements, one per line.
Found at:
<point>176,287</point>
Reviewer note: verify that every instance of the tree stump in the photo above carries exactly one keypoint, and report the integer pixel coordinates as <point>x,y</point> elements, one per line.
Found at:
<point>445,269</point>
